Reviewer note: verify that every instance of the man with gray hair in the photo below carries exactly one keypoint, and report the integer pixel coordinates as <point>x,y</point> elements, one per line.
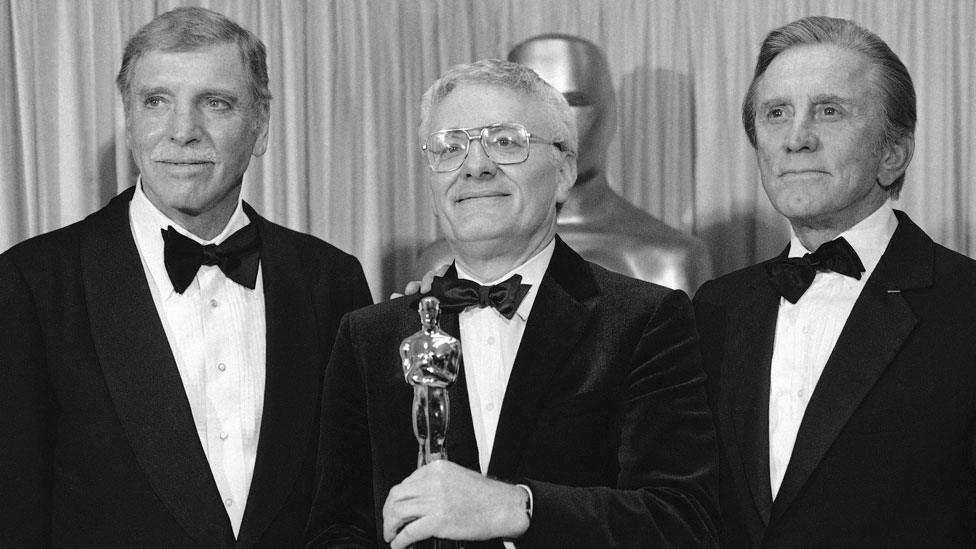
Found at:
<point>842,374</point>
<point>161,361</point>
<point>579,418</point>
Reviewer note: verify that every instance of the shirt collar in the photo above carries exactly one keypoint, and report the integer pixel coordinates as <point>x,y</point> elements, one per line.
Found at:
<point>147,222</point>
<point>869,237</point>
<point>532,271</point>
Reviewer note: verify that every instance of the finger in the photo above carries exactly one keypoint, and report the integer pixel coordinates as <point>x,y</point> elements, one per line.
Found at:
<point>391,518</point>
<point>398,512</point>
<point>393,523</point>
<point>417,530</point>
<point>427,281</point>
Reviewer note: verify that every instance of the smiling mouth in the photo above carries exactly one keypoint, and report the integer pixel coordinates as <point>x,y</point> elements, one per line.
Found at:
<point>802,172</point>
<point>465,198</point>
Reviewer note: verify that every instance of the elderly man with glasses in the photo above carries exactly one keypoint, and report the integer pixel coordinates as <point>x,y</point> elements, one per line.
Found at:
<point>579,417</point>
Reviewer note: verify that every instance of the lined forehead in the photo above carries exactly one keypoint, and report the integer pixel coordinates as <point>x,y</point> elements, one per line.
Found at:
<point>818,74</point>
<point>222,63</point>
<point>473,105</point>
<point>817,69</point>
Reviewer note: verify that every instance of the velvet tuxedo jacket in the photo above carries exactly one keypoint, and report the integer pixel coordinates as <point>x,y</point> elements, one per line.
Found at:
<point>604,417</point>
<point>99,447</point>
<point>884,454</point>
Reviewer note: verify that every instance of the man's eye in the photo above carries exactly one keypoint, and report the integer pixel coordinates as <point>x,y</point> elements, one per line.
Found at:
<point>153,101</point>
<point>830,111</point>
<point>775,113</point>
<point>217,104</point>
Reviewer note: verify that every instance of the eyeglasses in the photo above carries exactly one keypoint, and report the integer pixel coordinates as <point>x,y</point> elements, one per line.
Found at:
<point>504,143</point>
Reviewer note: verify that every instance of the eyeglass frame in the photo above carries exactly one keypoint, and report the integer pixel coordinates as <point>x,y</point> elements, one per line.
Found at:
<point>530,138</point>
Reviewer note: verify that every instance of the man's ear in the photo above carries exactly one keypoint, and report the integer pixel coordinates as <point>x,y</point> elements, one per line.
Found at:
<point>128,126</point>
<point>263,128</point>
<point>567,177</point>
<point>895,159</point>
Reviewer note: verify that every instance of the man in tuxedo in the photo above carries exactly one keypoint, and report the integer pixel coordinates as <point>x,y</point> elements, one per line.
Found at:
<point>579,418</point>
<point>161,361</point>
<point>842,374</point>
<point>599,224</point>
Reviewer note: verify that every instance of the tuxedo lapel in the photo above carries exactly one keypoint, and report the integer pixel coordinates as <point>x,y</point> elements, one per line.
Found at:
<point>294,363</point>
<point>878,325</point>
<point>462,446</point>
<point>142,377</point>
<point>746,408</point>
<point>556,322</point>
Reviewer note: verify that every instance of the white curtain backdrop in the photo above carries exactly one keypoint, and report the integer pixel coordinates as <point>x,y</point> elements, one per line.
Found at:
<point>347,75</point>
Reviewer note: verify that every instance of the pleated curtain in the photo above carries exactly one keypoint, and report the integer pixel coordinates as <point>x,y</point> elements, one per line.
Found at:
<point>344,163</point>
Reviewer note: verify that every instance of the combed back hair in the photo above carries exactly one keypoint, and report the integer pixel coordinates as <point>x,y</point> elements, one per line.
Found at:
<point>890,77</point>
<point>506,75</point>
<point>189,29</point>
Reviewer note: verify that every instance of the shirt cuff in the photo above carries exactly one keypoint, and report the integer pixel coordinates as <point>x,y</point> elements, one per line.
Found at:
<point>529,502</point>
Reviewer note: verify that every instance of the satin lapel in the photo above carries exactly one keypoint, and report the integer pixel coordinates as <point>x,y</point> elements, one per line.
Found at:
<point>142,376</point>
<point>878,325</point>
<point>462,446</point>
<point>746,380</point>
<point>557,320</point>
<point>294,364</point>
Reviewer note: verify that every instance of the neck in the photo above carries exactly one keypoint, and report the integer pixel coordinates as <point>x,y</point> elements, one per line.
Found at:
<point>207,225</point>
<point>489,261</point>
<point>814,232</point>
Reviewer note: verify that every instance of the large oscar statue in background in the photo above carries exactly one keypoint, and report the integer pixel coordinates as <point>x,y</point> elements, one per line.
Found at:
<point>597,222</point>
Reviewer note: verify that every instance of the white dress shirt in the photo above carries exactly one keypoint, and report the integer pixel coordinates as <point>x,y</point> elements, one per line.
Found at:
<point>216,330</point>
<point>489,343</point>
<point>807,331</point>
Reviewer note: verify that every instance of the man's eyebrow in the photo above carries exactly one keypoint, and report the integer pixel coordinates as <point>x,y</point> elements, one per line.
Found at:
<point>776,101</point>
<point>157,90</point>
<point>831,98</point>
<point>219,92</point>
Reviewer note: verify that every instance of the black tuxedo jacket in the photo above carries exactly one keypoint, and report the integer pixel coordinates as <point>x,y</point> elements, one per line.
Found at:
<point>605,417</point>
<point>99,447</point>
<point>884,454</point>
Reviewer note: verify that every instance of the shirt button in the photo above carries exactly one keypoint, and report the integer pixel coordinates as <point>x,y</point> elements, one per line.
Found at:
<point>221,366</point>
<point>490,406</point>
<point>214,303</point>
<point>224,435</point>
<point>491,341</point>
<point>228,502</point>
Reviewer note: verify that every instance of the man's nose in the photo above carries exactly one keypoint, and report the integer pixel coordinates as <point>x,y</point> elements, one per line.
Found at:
<point>802,136</point>
<point>477,164</point>
<point>185,125</point>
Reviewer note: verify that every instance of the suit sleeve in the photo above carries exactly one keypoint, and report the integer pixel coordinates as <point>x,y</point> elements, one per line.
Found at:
<point>342,514</point>
<point>359,288</point>
<point>665,492</point>
<point>27,417</point>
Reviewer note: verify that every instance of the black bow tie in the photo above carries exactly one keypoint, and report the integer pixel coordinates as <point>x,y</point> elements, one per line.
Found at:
<point>791,276</point>
<point>237,257</point>
<point>457,294</point>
